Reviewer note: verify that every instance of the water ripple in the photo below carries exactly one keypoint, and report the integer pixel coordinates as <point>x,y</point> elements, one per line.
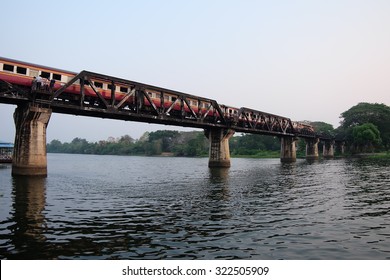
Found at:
<point>170,208</point>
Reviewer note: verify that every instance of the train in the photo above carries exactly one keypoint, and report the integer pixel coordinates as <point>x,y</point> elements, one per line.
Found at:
<point>23,73</point>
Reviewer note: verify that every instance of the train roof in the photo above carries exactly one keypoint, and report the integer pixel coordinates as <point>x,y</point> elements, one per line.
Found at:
<point>37,65</point>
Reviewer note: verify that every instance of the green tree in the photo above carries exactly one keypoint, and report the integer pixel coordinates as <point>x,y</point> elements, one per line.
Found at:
<point>79,146</point>
<point>252,144</point>
<point>163,140</point>
<point>126,139</point>
<point>196,146</point>
<point>55,146</point>
<point>323,128</point>
<point>366,137</point>
<point>362,113</point>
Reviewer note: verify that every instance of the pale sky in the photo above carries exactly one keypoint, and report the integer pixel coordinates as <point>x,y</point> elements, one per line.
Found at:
<point>306,60</point>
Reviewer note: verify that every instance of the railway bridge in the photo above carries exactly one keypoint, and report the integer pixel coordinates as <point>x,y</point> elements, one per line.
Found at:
<point>83,95</point>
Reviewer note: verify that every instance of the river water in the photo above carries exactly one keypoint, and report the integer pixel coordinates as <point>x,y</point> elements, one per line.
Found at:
<point>117,207</point>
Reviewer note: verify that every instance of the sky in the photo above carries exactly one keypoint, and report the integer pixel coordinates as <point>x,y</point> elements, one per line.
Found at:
<point>305,60</point>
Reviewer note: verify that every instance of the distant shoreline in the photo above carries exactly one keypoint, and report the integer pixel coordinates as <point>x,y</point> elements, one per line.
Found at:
<point>261,155</point>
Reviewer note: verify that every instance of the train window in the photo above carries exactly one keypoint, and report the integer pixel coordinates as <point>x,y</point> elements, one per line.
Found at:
<point>21,70</point>
<point>123,89</point>
<point>57,77</point>
<point>173,99</point>
<point>8,67</point>
<point>45,75</point>
<point>33,73</point>
<point>109,86</point>
<point>98,84</point>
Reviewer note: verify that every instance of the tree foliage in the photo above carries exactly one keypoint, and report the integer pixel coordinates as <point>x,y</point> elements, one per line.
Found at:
<point>166,142</point>
<point>366,137</point>
<point>361,114</point>
<point>253,144</point>
<point>323,128</point>
<point>151,143</point>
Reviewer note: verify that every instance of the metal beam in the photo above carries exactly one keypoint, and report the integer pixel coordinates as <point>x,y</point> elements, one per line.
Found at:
<point>97,92</point>
<point>68,84</point>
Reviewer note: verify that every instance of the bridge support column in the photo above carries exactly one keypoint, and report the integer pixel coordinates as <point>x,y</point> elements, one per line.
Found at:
<point>328,149</point>
<point>219,154</point>
<point>312,148</point>
<point>340,147</point>
<point>288,151</point>
<point>30,140</point>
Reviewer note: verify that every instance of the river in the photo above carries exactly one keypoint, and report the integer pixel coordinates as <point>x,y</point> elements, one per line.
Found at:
<point>121,207</point>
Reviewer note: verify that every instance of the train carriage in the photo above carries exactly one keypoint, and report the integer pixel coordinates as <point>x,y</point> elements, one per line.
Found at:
<point>22,74</point>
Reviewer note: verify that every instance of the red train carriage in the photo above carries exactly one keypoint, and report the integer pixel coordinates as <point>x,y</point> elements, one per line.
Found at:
<point>22,74</point>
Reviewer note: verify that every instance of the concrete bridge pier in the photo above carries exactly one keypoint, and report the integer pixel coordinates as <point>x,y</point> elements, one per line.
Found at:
<point>29,157</point>
<point>340,147</point>
<point>312,148</point>
<point>219,153</point>
<point>328,149</point>
<point>288,151</point>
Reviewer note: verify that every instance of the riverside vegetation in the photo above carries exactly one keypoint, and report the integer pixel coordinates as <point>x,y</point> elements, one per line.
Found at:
<point>168,143</point>
<point>365,128</point>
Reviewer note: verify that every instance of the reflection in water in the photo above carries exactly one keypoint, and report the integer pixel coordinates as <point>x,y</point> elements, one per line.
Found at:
<point>219,179</point>
<point>29,198</point>
<point>219,196</point>
<point>219,175</point>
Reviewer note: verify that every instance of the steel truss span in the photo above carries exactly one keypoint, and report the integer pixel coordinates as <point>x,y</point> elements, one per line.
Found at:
<point>136,102</point>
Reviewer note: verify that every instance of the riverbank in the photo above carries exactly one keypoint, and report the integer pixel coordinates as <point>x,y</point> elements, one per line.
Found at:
<point>260,154</point>
<point>376,155</point>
